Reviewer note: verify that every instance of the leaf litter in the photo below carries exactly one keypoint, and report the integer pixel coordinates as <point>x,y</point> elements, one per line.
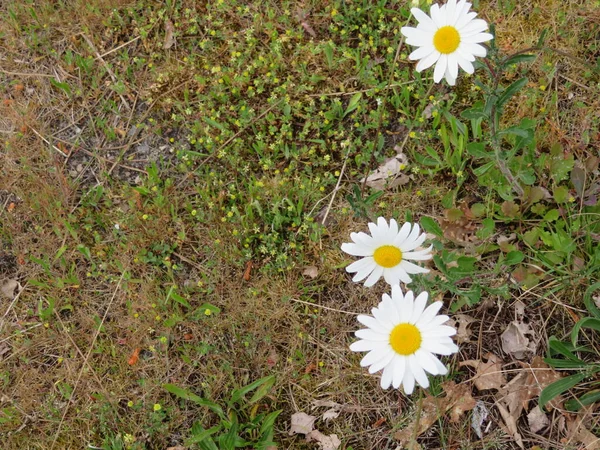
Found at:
<point>303,423</point>
<point>389,174</point>
<point>456,402</point>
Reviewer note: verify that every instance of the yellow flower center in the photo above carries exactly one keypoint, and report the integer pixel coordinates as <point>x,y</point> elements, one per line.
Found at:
<point>446,39</point>
<point>405,339</point>
<point>387,256</point>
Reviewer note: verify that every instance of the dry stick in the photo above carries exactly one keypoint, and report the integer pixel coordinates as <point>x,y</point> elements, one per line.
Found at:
<point>118,48</point>
<point>337,187</point>
<point>54,147</point>
<point>85,362</point>
<point>23,74</point>
<point>106,66</point>
<point>20,332</point>
<point>324,307</point>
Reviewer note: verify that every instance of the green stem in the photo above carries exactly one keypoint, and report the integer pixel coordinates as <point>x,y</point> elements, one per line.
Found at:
<point>415,433</point>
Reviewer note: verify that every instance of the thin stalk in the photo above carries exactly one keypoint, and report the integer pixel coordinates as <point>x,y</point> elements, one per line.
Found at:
<point>415,433</point>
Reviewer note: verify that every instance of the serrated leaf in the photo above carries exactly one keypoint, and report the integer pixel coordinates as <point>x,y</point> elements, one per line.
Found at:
<point>516,131</point>
<point>477,149</point>
<point>510,91</point>
<point>473,114</point>
<point>558,387</point>
<point>431,226</point>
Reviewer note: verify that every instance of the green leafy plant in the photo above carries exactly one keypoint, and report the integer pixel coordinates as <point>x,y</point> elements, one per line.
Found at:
<point>237,423</point>
<point>569,355</point>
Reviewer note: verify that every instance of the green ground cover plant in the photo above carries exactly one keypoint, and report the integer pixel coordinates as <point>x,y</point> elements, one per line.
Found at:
<point>177,179</point>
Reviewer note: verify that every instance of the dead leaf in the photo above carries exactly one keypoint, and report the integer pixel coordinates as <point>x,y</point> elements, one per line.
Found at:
<point>169,35</point>
<point>510,427</point>
<point>178,447</point>
<point>330,442</point>
<point>330,414</point>
<point>389,174</point>
<point>302,17</point>
<point>247,271</point>
<point>516,394</point>
<point>528,384</point>
<point>515,342</point>
<point>325,403</point>
<point>459,225</point>
<point>577,430</point>
<point>379,422</point>
<point>272,358</point>
<point>458,399</point>
<point>537,420</point>
<point>311,271</point>
<point>461,322</point>
<point>302,423</point>
<point>478,417</point>
<point>10,288</point>
<point>489,374</point>
<point>135,356</point>
<point>504,242</point>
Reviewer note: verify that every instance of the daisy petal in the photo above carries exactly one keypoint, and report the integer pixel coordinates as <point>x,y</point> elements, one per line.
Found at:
<point>384,362</point>
<point>429,313</point>
<point>421,255</point>
<point>424,20</point>
<point>413,268</point>
<point>375,275</point>
<point>376,355</point>
<point>370,335</point>
<point>477,38</point>
<point>422,52</point>
<point>357,250</point>
<point>399,363</point>
<point>361,264</point>
<point>473,27</point>
<point>418,372</point>
<point>426,360</point>
<point>419,306</point>
<point>427,62</point>
<point>387,376</point>
<point>364,346</point>
<point>408,381</point>
<point>369,321</point>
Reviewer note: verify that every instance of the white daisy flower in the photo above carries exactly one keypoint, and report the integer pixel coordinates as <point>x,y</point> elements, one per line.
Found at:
<point>402,337</point>
<point>448,39</point>
<point>386,252</point>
